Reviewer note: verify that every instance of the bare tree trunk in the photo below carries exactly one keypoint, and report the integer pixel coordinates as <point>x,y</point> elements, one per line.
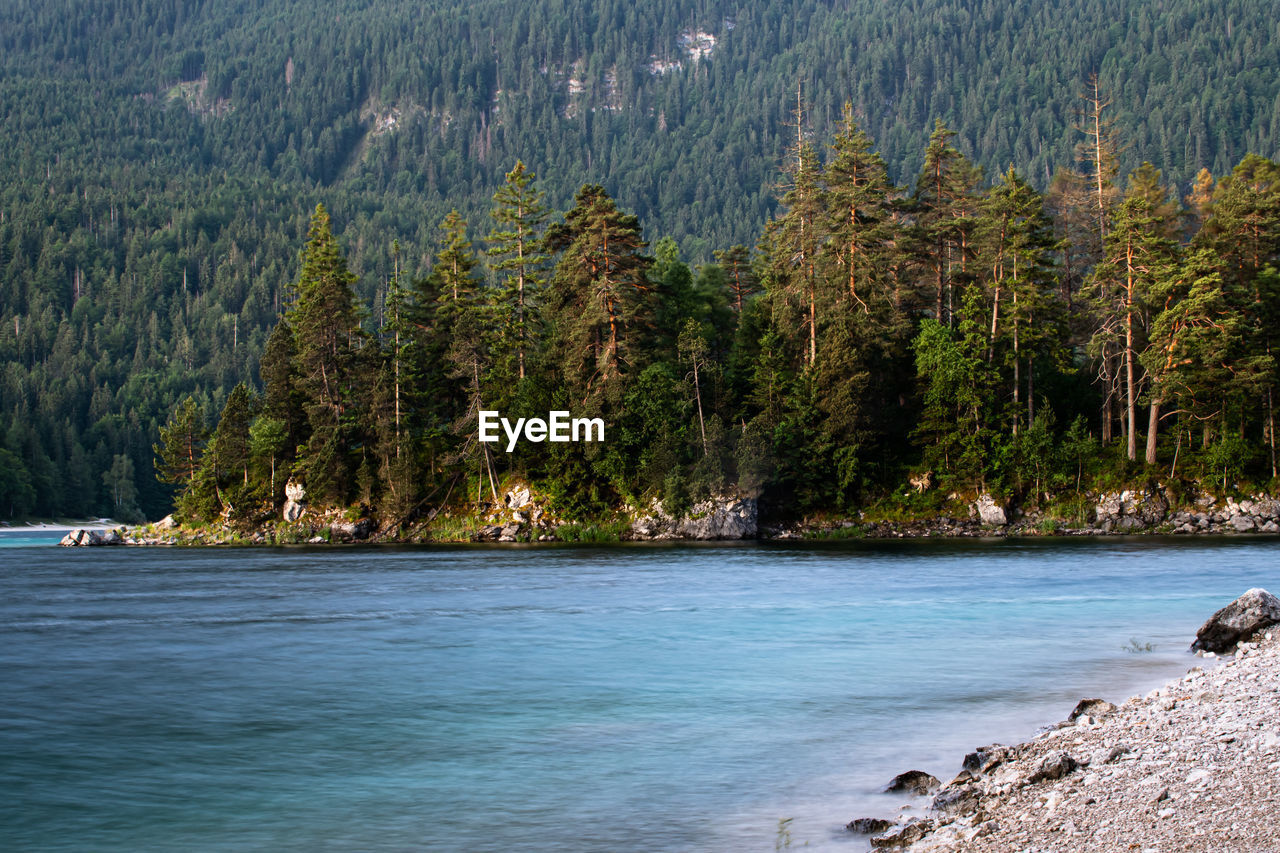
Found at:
<point>1153,426</point>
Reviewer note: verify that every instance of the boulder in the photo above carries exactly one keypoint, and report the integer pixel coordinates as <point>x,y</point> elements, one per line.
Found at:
<point>487,533</point>
<point>901,836</point>
<point>957,800</point>
<point>985,758</point>
<point>869,825</point>
<point>913,782</point>
<point>1243,523</point>
<point>1095,708</point>
<point>991,512</point>
<point>1254,610</point>
<point>295,496</point>
<point>86,538</point>
<point>352,531</point>
<point>166,523</point>
<point>1053,766</point>
<point>517,497</point>
<point>721,517</point>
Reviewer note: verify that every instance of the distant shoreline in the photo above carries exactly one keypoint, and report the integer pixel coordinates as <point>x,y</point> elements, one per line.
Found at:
<point>54,526</point>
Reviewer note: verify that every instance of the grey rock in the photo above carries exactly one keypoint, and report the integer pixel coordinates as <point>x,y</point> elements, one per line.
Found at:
<point>1096,708</point>
<point>721,517</point>
<point>87,538</point>
<point>1053,766</point>
<point>166,523</point>
<point>295,497</point>
<point>1254,610</point>
<point>869,825</point>
<point>913,782</point>
<point>1243,523</point>
<point>957,800</point>
<point>901,836</point>
<point>985,758</point>
<point>352,530</point>
<point>990,511</point>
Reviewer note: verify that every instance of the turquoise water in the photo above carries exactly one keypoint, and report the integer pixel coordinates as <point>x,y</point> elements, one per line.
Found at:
<point>554,699</point>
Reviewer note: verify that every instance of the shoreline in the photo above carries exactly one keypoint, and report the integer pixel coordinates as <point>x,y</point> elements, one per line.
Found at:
<point>1191,765</point>
<point>520,517</point>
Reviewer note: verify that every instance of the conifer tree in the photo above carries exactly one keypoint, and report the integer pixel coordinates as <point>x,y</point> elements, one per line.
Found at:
<point>742,280</point>
<point>942,209</point>
<point>859,206</point>
<point>1137,252</point>
<point>181,444</point>
<point>1016,241</point>
<point>597,297</point>
<point>516,257</point>
<point>328,340</point>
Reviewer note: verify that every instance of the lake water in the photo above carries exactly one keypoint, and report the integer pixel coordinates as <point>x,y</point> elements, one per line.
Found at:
<point>555,699</point>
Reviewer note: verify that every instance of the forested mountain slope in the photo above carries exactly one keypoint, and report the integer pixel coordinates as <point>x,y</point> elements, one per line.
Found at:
<point>160,157</point>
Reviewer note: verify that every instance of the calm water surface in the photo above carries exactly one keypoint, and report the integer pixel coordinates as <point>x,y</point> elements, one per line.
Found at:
<point>554,699</point>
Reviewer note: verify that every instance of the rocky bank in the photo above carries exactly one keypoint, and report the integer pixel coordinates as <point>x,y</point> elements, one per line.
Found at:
<point>1192,766</point>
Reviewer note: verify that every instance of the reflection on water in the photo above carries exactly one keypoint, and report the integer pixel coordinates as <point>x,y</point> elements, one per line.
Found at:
<point>555,699</point>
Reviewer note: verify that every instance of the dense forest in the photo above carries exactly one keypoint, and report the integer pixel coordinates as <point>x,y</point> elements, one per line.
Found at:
<point>162,160</point>
<point>875,331</point>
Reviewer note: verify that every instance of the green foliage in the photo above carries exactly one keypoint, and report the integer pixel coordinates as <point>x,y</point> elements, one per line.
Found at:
<point>591,533</point>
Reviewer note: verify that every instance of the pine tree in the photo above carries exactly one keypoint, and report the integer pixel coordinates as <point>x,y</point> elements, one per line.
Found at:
<point>860,211</point>
<point>942,209</point>
<point>181,444</point>
<point>516,257</point>
<point>1016,241</point>
<point>597,297</point>
<point>742,280</point>
<point>1189,359</point>
<point>329,340</point>
<point>1137,250</point>
<point>230,444</point>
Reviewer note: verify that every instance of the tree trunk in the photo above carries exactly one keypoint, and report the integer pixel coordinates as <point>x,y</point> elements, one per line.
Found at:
<point>1153,426</point>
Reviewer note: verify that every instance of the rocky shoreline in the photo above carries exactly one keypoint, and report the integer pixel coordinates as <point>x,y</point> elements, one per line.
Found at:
<point>1191,766</point>
<point>519,516</point>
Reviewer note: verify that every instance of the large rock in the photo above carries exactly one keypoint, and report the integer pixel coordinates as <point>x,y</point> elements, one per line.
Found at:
<point>957,800</point>
<point>295,496</point>
<point>869,825</point>
<point>1252,611</point>
<point>1091,708</point>
<point>1131,509</point>
<point>352,531</point>
<point>986,758</point>
<point>991,512</point>
<point>902,836</point>
<point>1053,766</point>
<point>85,538</point>
<point>722,517</point>
<point>913,782</point>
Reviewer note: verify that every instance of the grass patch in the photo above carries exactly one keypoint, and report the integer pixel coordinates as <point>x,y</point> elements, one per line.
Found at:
<point>836,534</point>
<point>592,532</point>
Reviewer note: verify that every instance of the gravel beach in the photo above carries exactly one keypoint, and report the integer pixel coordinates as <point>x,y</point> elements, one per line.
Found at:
<point>1192,766</point>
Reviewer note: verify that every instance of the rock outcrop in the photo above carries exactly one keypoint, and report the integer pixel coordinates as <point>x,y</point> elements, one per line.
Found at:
<point>84,538</point>
<point>913,782</point>
<point>295,499</point>
<point>991,511</point>
<point>1239,620</point>
<point>1130,510</point>
<point>723,517</point>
